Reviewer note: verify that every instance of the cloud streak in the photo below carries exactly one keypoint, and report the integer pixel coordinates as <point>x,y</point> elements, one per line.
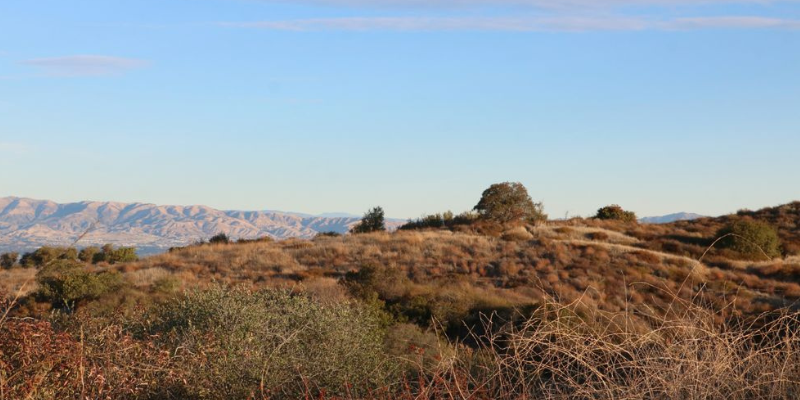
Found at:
<point>86,65</point>
<point>512,24</point>
<point>554,4</point>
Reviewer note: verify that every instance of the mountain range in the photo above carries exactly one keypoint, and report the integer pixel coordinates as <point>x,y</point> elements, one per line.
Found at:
<point>665,219</point>
<point>27,224</point>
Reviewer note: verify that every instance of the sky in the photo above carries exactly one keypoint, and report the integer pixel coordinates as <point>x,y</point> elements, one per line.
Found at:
<point>319,106</point>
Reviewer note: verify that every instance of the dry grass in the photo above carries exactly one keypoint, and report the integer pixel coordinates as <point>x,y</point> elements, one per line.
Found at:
<point>17,281</point>
<point>558,355</point>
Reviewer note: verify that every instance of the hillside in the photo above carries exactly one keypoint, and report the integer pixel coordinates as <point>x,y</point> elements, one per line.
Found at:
<point>27,224</point>
<point>567,309</point>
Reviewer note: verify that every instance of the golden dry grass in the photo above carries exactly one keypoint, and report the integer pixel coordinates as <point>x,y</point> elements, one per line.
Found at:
<point>17,281</point>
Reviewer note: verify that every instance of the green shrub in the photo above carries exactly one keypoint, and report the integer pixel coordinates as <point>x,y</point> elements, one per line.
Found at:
<point>87,254</point>
<point>112,256</point>
<point>47,254</point>
<point>751,238</point>
<point>64,283</point>
<point>615,212</point>
<point>273,340</point>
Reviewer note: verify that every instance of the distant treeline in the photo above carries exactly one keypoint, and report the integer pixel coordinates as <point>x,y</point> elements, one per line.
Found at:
<point>47,254</point>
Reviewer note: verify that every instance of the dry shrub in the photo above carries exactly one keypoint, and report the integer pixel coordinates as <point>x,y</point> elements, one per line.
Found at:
<point>517,234</point>
<point>559,355</point>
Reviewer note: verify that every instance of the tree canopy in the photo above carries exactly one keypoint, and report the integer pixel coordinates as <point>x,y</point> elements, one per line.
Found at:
<point>507,202</point>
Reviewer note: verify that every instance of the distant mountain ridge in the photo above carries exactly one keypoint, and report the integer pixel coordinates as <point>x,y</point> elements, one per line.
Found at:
<point>665,219</point>
<point>27,223</point>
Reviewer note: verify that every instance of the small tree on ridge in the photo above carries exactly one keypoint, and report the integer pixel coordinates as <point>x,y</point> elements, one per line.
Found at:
<point>507,202</point>
<point>373,221</point>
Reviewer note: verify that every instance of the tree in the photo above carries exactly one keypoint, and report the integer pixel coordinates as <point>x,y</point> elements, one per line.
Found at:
<point>615,212</point>
<point>7,260</point>
<point>508,202</point>
<point>751,238</point>
<point>373,221</point>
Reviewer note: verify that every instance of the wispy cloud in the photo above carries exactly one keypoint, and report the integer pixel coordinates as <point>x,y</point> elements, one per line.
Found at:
<point>542,24</point>
<point>86,65</point>
<point>562,4</point>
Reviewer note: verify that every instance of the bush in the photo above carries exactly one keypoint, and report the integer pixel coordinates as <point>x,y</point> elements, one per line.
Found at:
<point>615,212</point>
<point>219,238</point>
<point>87,254</point>
<point>64,283</point>
<point>112,256</point>
<point>750,238</point>
<point>328,234</point>
<point>507,202</point>
<point>445,220</point>
<point>8,260</point>
<point>373,221</point>
<point>272,340</point>
<point>46,254</point>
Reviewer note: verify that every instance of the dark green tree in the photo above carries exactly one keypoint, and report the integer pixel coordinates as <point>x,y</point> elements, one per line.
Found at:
<point>509,202</point>
<point>373,221</point>
<point>615,212</point>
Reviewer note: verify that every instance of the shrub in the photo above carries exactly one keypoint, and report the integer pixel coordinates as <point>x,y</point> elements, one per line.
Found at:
<point>373,221</point>
<point>8,260</point>
<point>507,202</point>
<point>272,341</point>
<point>615,212</point>
<point>87,254</point>
<point>750,238</point>
<point>444,220</point>
<point>46,254</point>
<point>328,234</point>
<point>112,256</point>
<point>219,238</point>
<point>65,282</point>
<point>517,234</point>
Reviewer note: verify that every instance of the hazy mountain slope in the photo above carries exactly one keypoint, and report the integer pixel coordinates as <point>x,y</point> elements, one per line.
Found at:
<point>28,223</point>
<point>665,219</point>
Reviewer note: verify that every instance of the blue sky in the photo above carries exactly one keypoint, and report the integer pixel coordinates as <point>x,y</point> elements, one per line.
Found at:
<point>339,105</point>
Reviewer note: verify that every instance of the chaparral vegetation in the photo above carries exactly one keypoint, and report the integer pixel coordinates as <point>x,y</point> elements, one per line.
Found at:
<point>497,302</point>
